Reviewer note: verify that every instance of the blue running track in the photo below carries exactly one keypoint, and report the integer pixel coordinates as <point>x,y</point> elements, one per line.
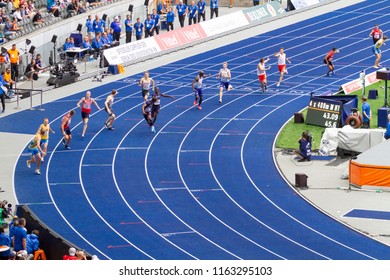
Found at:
<point>205,186</point>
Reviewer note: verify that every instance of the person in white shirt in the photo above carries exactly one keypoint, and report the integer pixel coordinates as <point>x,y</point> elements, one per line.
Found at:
<point>281,64</point>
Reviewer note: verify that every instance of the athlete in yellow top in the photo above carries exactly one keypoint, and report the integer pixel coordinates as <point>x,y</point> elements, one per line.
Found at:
<point>44,130</point>
<point>377,51</point>
<point>34,148</point>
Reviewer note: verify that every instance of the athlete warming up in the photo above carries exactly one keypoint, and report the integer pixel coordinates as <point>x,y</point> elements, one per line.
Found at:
<point>224,75</point>
<point>377,51</point>
<point>65,129</point>
<point>281,55</point>
<point>86,106</point>
<point>328,60</point>
<point>197,84</point>
<point>156,106</point>
<point>261,73</point>
<point>35,150</point>
<point>44,130</point>
<point>108,108</point>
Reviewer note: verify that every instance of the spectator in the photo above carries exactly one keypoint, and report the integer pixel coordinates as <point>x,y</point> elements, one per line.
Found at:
<point>304,152</point>
<point>128,28</point>
<point>98,24</point>
<point>80,255</point>
<point>181,10</point>
<point>149,26</point>
<point>89,25</point>
<point>156,18</point>
<point>170,19</point>
<point>256,2</point>
<point>4,61</point>
<point>10,7</point>
<point>8,26</point>
<point>32,243</point>
<point>213,8</point>
<point>71,9</point>
<point>15,59</point>
<point>17,14</point>
<point>31,8</point>
<point>15,27</point>
<point>37,19</point>
<point>20,236</point>
<point>201,10</point>
<point>366,113</point>
<point>80,8</point>
<point>116,27</point>
<point>192,13</point>
<point>52,8</point>
<point>5,241</point>
<point>71,256</point>
<point>139,27</point>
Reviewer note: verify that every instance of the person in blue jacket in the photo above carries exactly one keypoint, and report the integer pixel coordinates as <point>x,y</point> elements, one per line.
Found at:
<point>149,26</point>
<point>98,24</point>
<point>170,19</point>
<point>97,43</point>
<point>138,27</point>
<point>387,133</point>
<point>5,240</point>
<point>32,242</point>
<point>213,8</point>
<point>192,13</point>
<point>156,17</point>
<point>304,152</point>
<point>181,10</point>
<point>128,28</point>
<point>116,27</point>
<point>89,26</point>
<point>201,10</point>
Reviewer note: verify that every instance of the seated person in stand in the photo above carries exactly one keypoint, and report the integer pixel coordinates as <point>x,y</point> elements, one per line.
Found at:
<point>8,82</point>
<point>66,44</point>
<point>304,152</point>
<point>111,38</point>
<point>37,19</point>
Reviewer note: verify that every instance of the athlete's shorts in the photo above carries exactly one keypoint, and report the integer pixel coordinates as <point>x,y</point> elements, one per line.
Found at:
<point>67,131</point>
<point>328,62</point>
<point>44,141</point>
<point>198,92</point>
<point>262,78</point>
<point>145,92</point>
<point>376,50</point>
<point>33,151</point>
<point>155,109</point>
<point>224,84</point>
<point>112,111</point>
<point>282,68</point>
<point>84,115</point>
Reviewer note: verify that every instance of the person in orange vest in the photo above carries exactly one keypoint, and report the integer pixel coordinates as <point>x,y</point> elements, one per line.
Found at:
<point>15,59</point>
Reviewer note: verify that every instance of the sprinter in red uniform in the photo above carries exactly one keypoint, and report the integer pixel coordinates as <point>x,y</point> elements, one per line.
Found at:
<point>86,106</point>
<point>376,34</point>
<point>65,129</point>
<point>328,60</point>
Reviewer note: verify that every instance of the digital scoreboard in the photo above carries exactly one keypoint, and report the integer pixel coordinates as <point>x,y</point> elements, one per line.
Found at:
<point>324,112</point>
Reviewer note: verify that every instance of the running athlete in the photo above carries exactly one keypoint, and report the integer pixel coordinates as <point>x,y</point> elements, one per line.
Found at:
<point>261,74</point>
<point>34,148</point>
<point>44,130</point>
<point>328,60</point>
<point>86,106</point>
<point>224,75</point>
<point>147,111</point>
<point>197,88</point>
<point>108,108</point>
<point>376,34</point>
<point>281,64</point>
<point>156,106</point>
<point>377,51</point>
<point>65,129</point>
<point>146,83</point>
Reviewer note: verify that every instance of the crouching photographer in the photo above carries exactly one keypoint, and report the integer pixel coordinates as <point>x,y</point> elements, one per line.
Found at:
<point>304,152</point>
